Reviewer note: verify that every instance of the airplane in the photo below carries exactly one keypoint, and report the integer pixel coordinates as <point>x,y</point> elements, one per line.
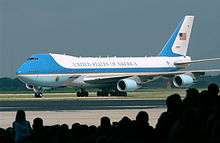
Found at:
<point>114,76</point>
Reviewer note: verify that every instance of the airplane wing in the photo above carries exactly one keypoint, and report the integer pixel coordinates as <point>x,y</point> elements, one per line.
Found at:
<point>196,73</point>
<point>145,77</point>
<point>102,79</point>
<point>179,63</point>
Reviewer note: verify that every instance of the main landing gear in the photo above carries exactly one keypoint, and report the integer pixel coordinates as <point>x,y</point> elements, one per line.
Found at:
<point>82,93</point>
<point>102,93</point>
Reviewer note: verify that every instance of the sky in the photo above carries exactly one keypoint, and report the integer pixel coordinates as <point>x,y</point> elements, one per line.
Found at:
<point>103,28</point>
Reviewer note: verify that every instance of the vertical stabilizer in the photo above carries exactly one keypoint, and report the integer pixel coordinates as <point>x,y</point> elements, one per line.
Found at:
<point>177,44</point>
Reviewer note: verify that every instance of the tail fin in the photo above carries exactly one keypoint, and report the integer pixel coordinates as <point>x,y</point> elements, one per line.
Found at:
<point>178,43</point>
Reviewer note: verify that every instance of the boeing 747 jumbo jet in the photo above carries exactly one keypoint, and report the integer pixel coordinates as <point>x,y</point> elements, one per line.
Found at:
<point>113,75</point>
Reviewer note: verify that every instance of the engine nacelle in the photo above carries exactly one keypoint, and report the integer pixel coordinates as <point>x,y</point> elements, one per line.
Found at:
<point>183,80</point>
<point>29,86</point>
<point>127,84</point>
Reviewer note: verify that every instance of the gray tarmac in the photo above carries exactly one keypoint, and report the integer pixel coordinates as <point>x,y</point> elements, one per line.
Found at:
<point>80,104</point>
<point>84,111</point>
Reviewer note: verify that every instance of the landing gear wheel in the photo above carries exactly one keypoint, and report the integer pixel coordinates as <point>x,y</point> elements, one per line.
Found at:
<point>105,93</point>
<point>78,94</point>
<point>112,93</point>
<point>99,93</point>
<point>38,95</point>
<point>82,94</point>
<point>85,94</point>
<point>102,93</point>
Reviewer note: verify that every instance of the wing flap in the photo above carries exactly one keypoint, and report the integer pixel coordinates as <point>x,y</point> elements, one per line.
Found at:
<point>145,77</point>
<point>104,79</point>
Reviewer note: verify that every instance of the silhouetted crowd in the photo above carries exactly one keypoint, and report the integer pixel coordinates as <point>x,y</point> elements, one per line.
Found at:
<point>194,119</point>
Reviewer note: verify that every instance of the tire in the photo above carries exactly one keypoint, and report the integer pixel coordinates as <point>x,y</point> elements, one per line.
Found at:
<point>38,95</point>
<point>112,93</point>
<point>104,93</point>
<point>99,93</point>
<point>78,94</point>
<point>85,93</point>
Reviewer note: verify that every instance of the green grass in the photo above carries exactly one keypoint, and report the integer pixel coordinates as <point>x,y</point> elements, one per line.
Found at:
<point>147,94</point>
<point>140,94</point>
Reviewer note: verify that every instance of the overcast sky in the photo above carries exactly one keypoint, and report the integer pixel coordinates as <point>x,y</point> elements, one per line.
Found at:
<point>103,28</point>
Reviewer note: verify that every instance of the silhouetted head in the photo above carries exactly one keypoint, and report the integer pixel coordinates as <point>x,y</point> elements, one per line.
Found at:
<point>142,118</point>
<point>20,116</point>
<point>173,102</point>
<point>213,89</point>
<point>192,97</point>
<point>125,121</point>
<point>37,123</point>
<point>105,122</point>
<point>10,132</point>
<point>65,126</point>
<point>192,92</point>
<point>75,125</point>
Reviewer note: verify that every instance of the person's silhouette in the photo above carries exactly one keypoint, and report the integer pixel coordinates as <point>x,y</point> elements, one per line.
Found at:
<point>21,126</point>
<point>213,89</point>
<point>168,119</point>
<point>144,132</point>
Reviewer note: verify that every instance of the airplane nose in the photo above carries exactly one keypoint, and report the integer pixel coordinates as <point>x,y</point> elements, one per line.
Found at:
<point>21,71</point>
<point>23,74</point>
<point>18,72</point>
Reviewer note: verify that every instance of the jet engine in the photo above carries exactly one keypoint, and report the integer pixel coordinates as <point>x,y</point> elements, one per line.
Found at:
<point>127,84</point>
<point>183,80</point>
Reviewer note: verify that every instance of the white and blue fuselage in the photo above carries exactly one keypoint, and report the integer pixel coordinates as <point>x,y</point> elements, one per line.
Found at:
<point>55,70</point>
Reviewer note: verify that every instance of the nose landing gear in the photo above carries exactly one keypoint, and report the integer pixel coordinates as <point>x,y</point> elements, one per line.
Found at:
<point>38,95</point>
<point>38,92</point>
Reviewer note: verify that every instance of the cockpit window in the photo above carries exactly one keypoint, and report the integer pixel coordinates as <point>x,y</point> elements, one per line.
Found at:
<point>32,59</point>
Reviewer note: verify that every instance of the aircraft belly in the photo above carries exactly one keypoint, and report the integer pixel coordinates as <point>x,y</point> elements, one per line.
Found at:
<point>99,85</point>
<point>51,80</point>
